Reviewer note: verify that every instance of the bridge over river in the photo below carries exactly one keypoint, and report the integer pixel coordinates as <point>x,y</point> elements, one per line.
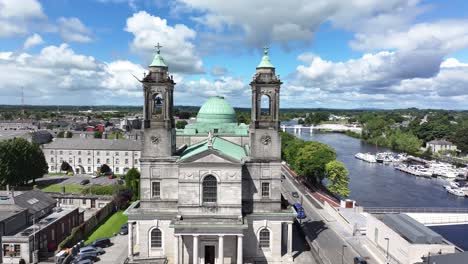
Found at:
<point>298,129</point>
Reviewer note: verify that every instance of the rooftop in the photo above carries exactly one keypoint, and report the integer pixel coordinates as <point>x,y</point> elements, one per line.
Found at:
<point>440,142</point>
<point>411,230</point>
<point>94,144</point>
<point>220,145</point>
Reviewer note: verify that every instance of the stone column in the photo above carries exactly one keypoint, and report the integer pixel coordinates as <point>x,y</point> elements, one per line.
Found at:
<point>176,249</point>
<point>195,249</point>
<point>239,249</point>
<point>221,250</point>
<point>137,231</point>
<point>130,240</point>
<point>290,239</point>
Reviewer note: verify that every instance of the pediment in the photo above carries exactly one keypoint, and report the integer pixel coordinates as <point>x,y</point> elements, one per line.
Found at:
<point>210,156</point>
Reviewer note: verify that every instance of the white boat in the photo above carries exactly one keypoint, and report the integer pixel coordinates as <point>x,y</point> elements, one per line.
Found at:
<point>456,191</point>
<point>366,157</point>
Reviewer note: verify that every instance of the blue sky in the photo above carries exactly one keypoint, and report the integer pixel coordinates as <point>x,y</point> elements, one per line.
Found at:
<point>329,53</point>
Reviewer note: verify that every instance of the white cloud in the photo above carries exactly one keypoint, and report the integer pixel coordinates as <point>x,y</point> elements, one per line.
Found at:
<point>266,21</point>
<point>177,41</point>
<point>445,36</point>
<point>58,75</point>
<point>73,30</point>
<point>16,16</point>
<point>378,80</point>
<point>32,41</point>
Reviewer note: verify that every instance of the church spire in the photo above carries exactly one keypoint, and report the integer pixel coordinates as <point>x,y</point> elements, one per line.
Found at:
<point>158,60</point>
<point>265,62</point>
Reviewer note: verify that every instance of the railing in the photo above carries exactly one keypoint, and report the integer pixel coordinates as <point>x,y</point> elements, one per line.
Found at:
<point>397,210</point>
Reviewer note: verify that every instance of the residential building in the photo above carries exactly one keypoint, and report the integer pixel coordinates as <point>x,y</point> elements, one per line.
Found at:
<point>87,155</point>
<point>440,145</point>
<point>216,198</point>
<point>88,201</point>
<point>19,125</point>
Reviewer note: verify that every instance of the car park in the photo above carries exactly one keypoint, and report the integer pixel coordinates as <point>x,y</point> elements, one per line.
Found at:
<point>89,255</point>
<point>84,261</point>
<point>101,242</point>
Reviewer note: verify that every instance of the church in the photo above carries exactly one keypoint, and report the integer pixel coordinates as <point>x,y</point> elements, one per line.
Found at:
<point>210,193</point>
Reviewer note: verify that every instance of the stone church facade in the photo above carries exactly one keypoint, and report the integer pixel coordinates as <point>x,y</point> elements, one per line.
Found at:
<point>215,196</point>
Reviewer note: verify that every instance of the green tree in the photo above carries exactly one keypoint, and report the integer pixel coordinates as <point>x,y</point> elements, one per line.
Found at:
<point>311,159</point>
<point>461,138</point>
<point>61,134</point>
<point>337,178</point>
<point>181,124</point>
<point>21,161</point>
<point>132,182</point>
<point>97,134</point>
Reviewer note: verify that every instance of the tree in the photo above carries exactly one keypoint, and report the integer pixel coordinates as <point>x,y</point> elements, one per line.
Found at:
<point>66,167</point>
<point>21,161</point>
<point>61,134</point>
<point>337,178</point>
<point>181,124</point>
<point>105,169</point>
<point>311,159</point>
<point>69,134</point>
<point>461,138</point>
<point>132,181</point>
<point>97,134</point>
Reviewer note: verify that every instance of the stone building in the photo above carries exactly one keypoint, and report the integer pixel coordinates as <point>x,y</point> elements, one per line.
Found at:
<point>440,145</point>
<point>215,197</point>
<point>86,156</point>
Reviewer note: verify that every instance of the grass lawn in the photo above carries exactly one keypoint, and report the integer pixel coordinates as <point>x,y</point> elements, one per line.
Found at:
<point>110,227</point>
<point>72,188</point>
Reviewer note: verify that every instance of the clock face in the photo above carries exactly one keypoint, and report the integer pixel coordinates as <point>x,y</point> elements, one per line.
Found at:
<point>265,139</point>
<point>155,140</point>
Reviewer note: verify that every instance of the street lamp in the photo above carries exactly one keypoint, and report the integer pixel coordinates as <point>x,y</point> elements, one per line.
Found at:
<point>342,253</point>
<point>388,243</point>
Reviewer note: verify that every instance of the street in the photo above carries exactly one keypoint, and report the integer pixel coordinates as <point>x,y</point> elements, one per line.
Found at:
<point>333,248</point>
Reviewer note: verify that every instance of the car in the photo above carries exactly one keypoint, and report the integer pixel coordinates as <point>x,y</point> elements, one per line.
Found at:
<point>84,261</point>
<point>299,211</point>
<point>89,255</point>
<point>84,182</point>
<point>101,242</point>
<point>360,260</point>
<point>124,229</point>
<point>97,250</point>
<point>295,195</point>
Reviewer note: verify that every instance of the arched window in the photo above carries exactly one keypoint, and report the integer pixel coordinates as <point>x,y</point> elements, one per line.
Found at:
<point>264,238</point>
<point>265,105</point>
<point>157,105</point>
<point>156,238</point>
<point>210,191</point>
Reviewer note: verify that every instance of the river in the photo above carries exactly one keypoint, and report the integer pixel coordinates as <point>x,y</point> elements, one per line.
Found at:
<point>382,185</point>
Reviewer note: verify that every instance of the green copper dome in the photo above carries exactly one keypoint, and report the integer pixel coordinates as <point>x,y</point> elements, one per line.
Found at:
<point>265,63</point>
<point>216,110</point>
<point>158,60</point>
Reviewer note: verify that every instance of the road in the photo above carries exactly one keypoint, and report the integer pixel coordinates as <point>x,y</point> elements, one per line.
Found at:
<point>117,253</point>
<point>331,243</point>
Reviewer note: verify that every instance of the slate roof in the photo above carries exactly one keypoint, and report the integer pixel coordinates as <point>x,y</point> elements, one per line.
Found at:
<point>455,258</point>
<point>411,230</point>
<point>34,200</point>
<point>440,142</point>
<point>94,144</point>
<point>218,144</point>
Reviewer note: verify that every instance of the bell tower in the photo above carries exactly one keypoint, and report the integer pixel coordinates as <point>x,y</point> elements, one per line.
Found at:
<point>159,126</point>
<point>264,136</point>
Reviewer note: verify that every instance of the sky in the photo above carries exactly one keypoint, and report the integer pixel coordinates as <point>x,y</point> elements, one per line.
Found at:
<point>329,53</point>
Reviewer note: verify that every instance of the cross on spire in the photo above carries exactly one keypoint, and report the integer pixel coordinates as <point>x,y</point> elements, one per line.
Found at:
<point>265,50</point>
<point>158,48</point>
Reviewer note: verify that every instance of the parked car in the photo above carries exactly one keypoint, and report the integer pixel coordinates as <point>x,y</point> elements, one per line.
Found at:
<point>84,261</point>
<point>360,260</point>
<point>124,229</point>
<point>90,249</point>
<point>300,211</point>
<point>295,195</point>
<point>101,242</point>
<point>84,182</point>
<point>86,256</point>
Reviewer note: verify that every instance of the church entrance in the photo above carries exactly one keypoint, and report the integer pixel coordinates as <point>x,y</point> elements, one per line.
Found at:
<point>209,254</point>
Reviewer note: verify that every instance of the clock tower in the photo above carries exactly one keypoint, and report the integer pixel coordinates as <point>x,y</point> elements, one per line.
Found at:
<point>265,141</point>
<point>159,128</point>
